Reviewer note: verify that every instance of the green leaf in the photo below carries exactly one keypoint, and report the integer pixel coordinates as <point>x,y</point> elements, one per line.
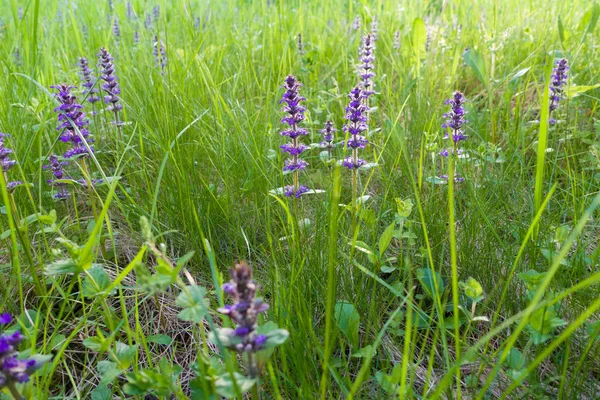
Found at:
<point>515,359</point>
<point>275,338</point>
<point>590,19</point>
<point>108,371</point>
<point>224,337</point>
<point>418,37</point>
<point>96,281</point>
<point>125,354</point>
<point>195,306</point>
<point>561,31</point>
<point>101,392</point>
<point>386,238</point>
<point>532,278</point>
<point>542,324</point>
<point>426,278</point>
<point>574,91</point>
<point>181,261</point>
<point>62,267</point>
<point>473,289</point>
<point>367,351</point>
<point>160,339</point>
<point>226,388</point>
<point>476,61</point>
<point>348,320</point>
<point>96,343</point>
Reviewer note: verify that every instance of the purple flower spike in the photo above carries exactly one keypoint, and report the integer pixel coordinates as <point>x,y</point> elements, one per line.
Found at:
<point>57,168</point>
<point>245,308</point>
<point>558,80</point>
<point>111,86</point>
<point>294,115</point>
<point>328,135</point>
<point>71,121</point>
<point>6,162</point>
<point>160,54</point>
<point>116,31</point>
<point>454,126</point>
<point>367,68</point>
<point>356,117</point>
<point>88,81</point>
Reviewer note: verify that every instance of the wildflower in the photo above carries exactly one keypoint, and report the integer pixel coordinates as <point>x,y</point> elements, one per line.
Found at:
<point>136,38</point>
<point>356,23</point>
<point>558,80</point>
<point>129,10</point>
<point>116,30</point>
<point>6,162</point>
<point>455,120</point>
<point>57,169</point>
<point>295,115</point>
<point>397,40</point>
<point>328,134</point>
<point>88,81</point>
<point>245,309</point>
<point>111,85</point>
<point>71,121</point>
<point>357,124</point>
<point>12,368</point>
<point>374,28</point>
<point>366,71</point>
<point>160,55</point>
<point>156,12</point>
<point>300,46</point>
<point>148,21</point>
<point>20,13</point>
<point>197,23</point>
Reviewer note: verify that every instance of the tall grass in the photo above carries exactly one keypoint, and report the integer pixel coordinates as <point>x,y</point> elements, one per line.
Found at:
<point>372,311</point>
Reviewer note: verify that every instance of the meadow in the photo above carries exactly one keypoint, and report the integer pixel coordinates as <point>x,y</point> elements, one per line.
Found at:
<point>299,199</point>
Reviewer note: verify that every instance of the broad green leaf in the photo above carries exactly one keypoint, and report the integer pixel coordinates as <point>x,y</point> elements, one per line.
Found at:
<point>226,388</point>
<point>473,289</point>
<point>386,238</point>
<point>574,91</point>
<point>367,351</point>
<point>195,306</point>
<point>418,37</point>
<point>275,338</point>
<point>348,320</point>
<point>108,371</point>
<point>96,343</point>
<point>426,278</point>
<point>476,61</point>
<point>61,267</point>
<point>160,339</point>
<point>96,281</point>
<point>125,354</point>
<point>515,359</point>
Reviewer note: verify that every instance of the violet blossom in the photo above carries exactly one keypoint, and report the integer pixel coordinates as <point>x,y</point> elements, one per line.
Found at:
<point>88,81</point>
<point>6,162</point>
<point>71,121</point>
<point>558,80</point>
<point>454,126</point>
<point>356,115</point>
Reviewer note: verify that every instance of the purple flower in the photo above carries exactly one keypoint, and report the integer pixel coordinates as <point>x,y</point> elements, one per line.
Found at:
<point>245,308</point>
<point>130,13</point>
<point>397,40</point>
<point>289,191</point>
<point>148,21</point>
<point>116,30</point>
<point>156,12</point>
<point>367,68</point>
<point>111,84</point>
<point>5,319</point>
<point>454,126</point>
<point>71,120</point>
<point>136,38</point>
<point>328,135</point>
<point>160,55</point>
<point>294,115</point>
<point>558,80</point>
<point>356,23</point>
<point>6,162</point>
<point>356,124</point>
<point>57,168</point>
<point>259,340</point>
<point>88,81</point>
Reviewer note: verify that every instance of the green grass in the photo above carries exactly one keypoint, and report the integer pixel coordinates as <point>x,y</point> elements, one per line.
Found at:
<point>200,154</point>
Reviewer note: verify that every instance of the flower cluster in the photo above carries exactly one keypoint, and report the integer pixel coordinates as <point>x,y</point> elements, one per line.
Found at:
<point>116,31</point>
<point>6,162</point>
<point>356,23</point>
<point>295,115</point>
<point>328,134</point>
<point>111,85</point>
<point>367,68</point>
<point>455,120</point>
<point>12,368</point>
<point>57,168</point>
<point>245,309</point>
<point>558,80</point>
<point>88,81</point>
<point>71,121</point>
<point>160,54</point>
<point>356,115</point>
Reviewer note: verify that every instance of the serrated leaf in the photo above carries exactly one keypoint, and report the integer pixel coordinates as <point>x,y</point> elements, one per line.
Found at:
<point>96,282</point>
<point>195,306</point>
<point>62,267</point>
